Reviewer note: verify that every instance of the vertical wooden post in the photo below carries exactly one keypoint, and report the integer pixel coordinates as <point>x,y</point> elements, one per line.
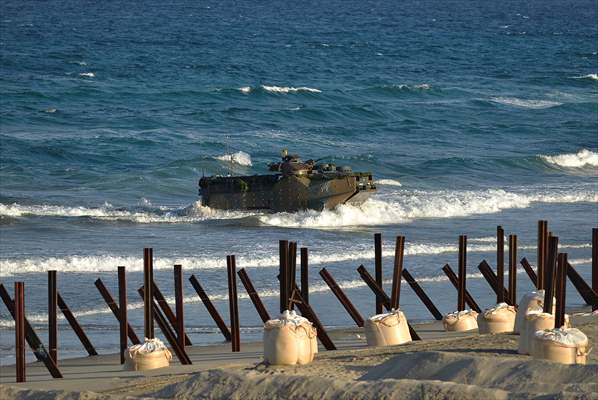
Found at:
<point>52,310</point>
<point>378,270</point>
<point>122,305</point>
<point>20,330</point>
<point>304,275</point>
<point>500,264</point>
<point>179,305</point>
<point>148,279</point>
<point>541,252</point>
<point>513,269</point>
<point>561,287</point>
<point>232,302</point>
<point>462,272</point>
<point>397,272</point>
<point>549,272</point>
<point>283,247</point>
<point>595,263</point>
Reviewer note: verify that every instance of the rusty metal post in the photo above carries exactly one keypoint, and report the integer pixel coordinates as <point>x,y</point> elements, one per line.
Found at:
<point>448,271</point>
<point>422,295</point>
<point>253,295</point>
<point>52,321</point>
<point>542,251</point>
<point>20,330</point>
<point>75,325</point>
<point>395,293</point>
<point>491,278</point>
<point>168,313</point>
<point>179,305</point>
<point>122,303</point>
<point>549,273</point>
<point>561,288</point>
<point>292,271</point>
<point>342,297</point>
<point>148,304</point>
<point>512,269</point>
<point>304,275</point>
<point>210,307</point>
<point>500,264</point>
<point>371,282</point>
<point>283,247</point>
<point>586,292</point>
<point>462,272</point>
<point>115,309</point>
<point>530,271</point>
<point>595,264</point>
<point>378,269</point>
<point>232,303</point>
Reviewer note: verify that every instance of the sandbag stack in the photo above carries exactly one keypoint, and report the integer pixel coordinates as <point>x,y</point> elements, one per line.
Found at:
<point>151,354</point>
<point>562,345</point>
<point>387,329</point>
<point>290,340</point>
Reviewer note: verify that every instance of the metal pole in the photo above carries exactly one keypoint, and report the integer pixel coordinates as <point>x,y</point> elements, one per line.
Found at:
<point>232,302</point>
<point>500,263</point>
<point>342,297</point>
<point>448,271</point>
<point>304,274</point>
<point>549,272</point>
<point>115,309</point>
<point>210,307</point>
<point>595,263</point>
<point>148,279</point>
<point>75,325</point>
<point>179,306</point>
<point>395,293</point>
<point>168,313</point>
<point>20,330</point>
<point>513,269</point>
<point>52,322</point>
<point>122,305</point>
<point>422,295</point>
<point>292,270</point>
<point>541,253</point>
<point>530,271</point>
<point>462,268</point>
<point>378,269</point>
<point>283,247</point>
<point>561,287</point>
<point>586,292</point>
<point>253,295</point>
<point>491,278</point>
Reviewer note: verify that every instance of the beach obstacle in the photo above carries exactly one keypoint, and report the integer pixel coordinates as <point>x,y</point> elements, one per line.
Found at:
<point>253,295</point>
<point>36,345</point>
<point>210,307</point>
<point>529,271</point>
<point>122,303</point>
<point>179,306</point>
<point>448,271</point>
<point>305,274</point>
<point>233,303</point>
<point>501,318</point>
<point>168,313</point>
<point>20,331</point>
<point>542,252</point>
<point>513,270</point>
<point>462,319</point>
<point>107,296</point>
<point>340,295</point>
<point>52,317</point>
<point>595,265</point>
<point>491,278</point>
<point>378,270</point>
<point>586,292</point>
<point>386,302</point>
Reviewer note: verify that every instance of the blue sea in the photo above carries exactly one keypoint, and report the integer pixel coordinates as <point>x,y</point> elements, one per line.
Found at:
<point>469,115</point>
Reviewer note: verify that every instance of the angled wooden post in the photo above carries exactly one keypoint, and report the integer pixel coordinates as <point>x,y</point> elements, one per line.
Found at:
<point>448,271</point>
<point>586,292</point>
<point>253,295</point>
<point>340,295</point>
<point>70,317</point>
<point>529,271</point>
<point>115,309</point>
<point>491,278</point>
<point>210,307</point>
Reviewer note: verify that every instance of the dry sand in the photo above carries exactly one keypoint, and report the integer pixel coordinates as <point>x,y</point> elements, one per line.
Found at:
<point>442,366</point>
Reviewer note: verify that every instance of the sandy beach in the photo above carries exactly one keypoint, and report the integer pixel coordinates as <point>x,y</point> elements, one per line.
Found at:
<point>442,365</point>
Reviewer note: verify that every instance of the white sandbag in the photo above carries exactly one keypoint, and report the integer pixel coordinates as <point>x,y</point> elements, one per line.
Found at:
<point>498,319</point>
<point>289,340</point>
<point>535,320</point>
<point>387,329</point>
<point>562,345</point>
<point>460,321</point>
<point>530,301</point>
<point>151,354</point>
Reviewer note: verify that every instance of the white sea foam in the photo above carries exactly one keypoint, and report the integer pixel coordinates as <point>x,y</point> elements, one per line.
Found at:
<point>239,157</point>
<point>245,89</point>
<point>287,89</point>
<point>593,77</point>
<point>87,74</point>
<point>525,103</point>
<point>582,158</point>
<point>388,182</point>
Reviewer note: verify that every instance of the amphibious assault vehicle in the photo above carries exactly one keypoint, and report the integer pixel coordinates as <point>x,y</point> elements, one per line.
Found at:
<point>293,185</point>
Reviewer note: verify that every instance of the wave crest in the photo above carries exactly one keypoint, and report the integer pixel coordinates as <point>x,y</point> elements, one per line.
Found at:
<point>239,157</point>
<point>525,103</point>
<point>582,158</point>
<point>280,89</point>
<point>593,77</point>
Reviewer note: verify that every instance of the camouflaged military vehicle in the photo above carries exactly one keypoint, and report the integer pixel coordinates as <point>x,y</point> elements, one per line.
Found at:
<point>293,185</point>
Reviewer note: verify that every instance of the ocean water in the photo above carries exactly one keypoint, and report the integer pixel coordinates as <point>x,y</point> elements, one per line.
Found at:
<point>469,114</point>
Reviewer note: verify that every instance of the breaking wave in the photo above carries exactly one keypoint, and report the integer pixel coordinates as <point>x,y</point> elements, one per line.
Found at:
<point>87,74</point>
<point>239,157</point>
<point>593,77</point>
<point>523,103</point>
<point>280,89</point>
<point>388,182</point>
<point>582,158</point>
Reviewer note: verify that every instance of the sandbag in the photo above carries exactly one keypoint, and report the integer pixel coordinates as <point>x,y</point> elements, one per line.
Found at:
<point>460,321</point>
<point>387,329</point>
<point>562,345</point>
<point>498,319</point>
<point>534,321</point>
<point>530,301</point>
<point>151,354</point>
<point>289,340</point>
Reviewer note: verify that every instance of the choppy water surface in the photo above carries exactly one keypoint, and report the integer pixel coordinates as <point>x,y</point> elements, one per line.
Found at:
<point>469,115</point>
